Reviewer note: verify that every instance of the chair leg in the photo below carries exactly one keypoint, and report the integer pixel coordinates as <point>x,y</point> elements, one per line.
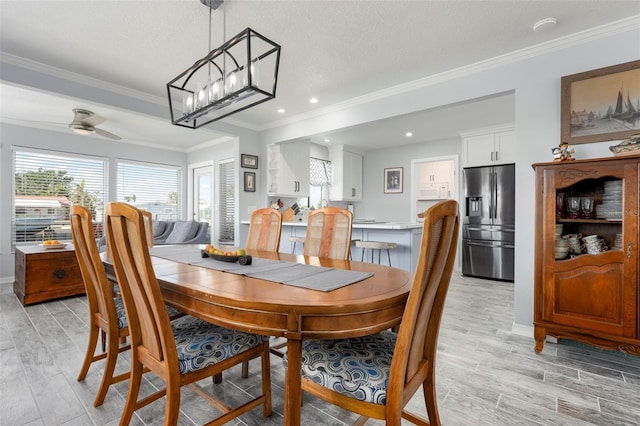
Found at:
<point>172,409</point>
<point>109,369</point>
<point>245,369</point>
<point>132,395</point>
<point>91,348</point>
<point>430,400</point>
<point>389,256</point>
<point>266,380</point>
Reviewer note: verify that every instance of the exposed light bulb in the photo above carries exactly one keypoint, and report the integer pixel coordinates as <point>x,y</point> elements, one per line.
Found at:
<point>215,91</point>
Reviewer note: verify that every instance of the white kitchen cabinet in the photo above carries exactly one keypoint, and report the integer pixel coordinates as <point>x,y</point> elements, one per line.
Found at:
<point>489,147</point>
<point>288,169</point>
<point>435,180</point>
<point>346,175</point>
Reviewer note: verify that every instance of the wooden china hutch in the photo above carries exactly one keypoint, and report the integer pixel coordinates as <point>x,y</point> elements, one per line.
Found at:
<point>591,298</point>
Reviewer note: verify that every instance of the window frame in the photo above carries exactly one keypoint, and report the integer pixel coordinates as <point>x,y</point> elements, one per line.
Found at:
<point>64,156</point>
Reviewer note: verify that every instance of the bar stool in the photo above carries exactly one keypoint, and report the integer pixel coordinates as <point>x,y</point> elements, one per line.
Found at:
<point>294,240</point>
<point>376,245</point>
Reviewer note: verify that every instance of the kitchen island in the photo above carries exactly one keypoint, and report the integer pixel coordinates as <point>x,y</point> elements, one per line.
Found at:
<point>406,235</point>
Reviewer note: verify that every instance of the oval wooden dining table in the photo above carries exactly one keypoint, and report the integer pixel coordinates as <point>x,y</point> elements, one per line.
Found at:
<point>295,313</point>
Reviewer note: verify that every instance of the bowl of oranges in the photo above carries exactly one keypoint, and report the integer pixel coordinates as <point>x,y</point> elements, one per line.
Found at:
<point>226,255</point>
<point>52,244</point>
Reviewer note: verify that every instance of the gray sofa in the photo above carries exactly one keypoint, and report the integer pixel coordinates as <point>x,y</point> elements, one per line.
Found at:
<point>174,232</point>
<point>180,232</point>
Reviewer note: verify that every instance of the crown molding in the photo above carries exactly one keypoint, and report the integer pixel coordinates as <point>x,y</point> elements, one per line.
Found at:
<point>79,78</point>
<point>596,33</point>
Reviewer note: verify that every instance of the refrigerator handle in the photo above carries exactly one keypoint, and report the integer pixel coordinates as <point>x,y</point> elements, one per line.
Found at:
<point>495,198</point>
<point>491,200</point>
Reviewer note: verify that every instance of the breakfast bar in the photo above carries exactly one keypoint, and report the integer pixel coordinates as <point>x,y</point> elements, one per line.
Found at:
<point>406,235</point>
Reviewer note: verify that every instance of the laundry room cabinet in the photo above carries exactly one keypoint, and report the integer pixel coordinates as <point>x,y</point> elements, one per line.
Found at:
<point>588,294</point>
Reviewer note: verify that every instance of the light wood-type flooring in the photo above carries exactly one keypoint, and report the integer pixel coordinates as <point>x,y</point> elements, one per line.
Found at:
<point>485,374</point>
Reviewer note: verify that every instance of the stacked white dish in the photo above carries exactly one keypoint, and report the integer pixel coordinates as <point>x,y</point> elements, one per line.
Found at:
<point>617,244</point>
<point>562,247</point>
<point>611,207</point>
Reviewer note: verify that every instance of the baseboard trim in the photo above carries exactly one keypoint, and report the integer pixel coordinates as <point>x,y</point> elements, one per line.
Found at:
<point>522,330</point>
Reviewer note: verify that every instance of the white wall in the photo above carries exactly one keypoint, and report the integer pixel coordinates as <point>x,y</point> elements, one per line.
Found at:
<point>12,135</point>
<point>535,77</point>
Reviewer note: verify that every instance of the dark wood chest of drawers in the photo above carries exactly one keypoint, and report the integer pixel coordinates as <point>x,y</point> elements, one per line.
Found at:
<point>46,274</point>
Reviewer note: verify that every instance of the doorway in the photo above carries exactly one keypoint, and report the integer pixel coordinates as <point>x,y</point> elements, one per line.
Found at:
<point>202,201</point>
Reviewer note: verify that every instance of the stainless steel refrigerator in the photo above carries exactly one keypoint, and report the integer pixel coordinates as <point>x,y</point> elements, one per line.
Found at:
<point>488,228</point>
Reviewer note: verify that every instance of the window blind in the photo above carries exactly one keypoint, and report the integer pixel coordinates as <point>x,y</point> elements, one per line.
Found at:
<point>46,184</point>
<point>227,209</point>
<point>151,187</point>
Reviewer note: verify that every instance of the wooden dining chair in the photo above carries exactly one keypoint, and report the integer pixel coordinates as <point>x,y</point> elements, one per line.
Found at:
<point>328,233</point>
<point>376,375</point>
<point>180,353</point>
<point>265,227</point>
<point>107,317</point>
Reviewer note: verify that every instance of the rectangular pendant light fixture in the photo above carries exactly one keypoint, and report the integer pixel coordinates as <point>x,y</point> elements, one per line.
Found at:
<point>240,74</point>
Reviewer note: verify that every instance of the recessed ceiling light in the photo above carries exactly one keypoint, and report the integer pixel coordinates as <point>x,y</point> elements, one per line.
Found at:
<point>281,110</point>
<point>544,24</point>
<point>408,134</point>
<point>313,100</point>
<point>327,140</point>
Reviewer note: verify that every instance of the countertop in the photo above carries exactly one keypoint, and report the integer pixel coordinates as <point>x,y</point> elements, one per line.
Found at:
<point>366,225</point>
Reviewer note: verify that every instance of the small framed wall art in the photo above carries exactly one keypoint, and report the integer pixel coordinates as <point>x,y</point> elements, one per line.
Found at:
<point>249,182</point>
<point>249,161</point>
<point>393,180</point>
<point>601,105</point>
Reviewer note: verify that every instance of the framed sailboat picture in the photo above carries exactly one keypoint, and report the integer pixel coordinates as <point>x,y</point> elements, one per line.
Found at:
<point>601,105</point>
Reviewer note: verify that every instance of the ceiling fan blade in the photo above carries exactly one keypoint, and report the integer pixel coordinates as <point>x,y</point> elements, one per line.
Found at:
<point>86,117</point>
<point>107,134</point>
<point>93,120</point>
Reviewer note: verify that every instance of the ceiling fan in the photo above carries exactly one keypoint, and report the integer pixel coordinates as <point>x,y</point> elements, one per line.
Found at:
<point>84,123</point>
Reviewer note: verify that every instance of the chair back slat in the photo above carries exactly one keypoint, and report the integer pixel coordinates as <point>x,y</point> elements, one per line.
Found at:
<point>328,233</point>
<point>99,289</point>
<point>418,333</point>
<point>148,226</point>
<point>265,228</point>
<point>149,324</point>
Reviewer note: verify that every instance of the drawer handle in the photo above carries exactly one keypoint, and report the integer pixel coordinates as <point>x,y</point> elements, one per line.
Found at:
<point>59,273</point>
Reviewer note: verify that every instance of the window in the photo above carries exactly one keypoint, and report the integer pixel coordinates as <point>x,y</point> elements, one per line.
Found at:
<point>45,186</point>
<point>151,187</point>
<point>319,181</point>
<point>227,202</point>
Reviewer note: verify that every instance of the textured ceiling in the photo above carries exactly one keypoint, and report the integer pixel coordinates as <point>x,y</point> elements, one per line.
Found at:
<point>334,50</point>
